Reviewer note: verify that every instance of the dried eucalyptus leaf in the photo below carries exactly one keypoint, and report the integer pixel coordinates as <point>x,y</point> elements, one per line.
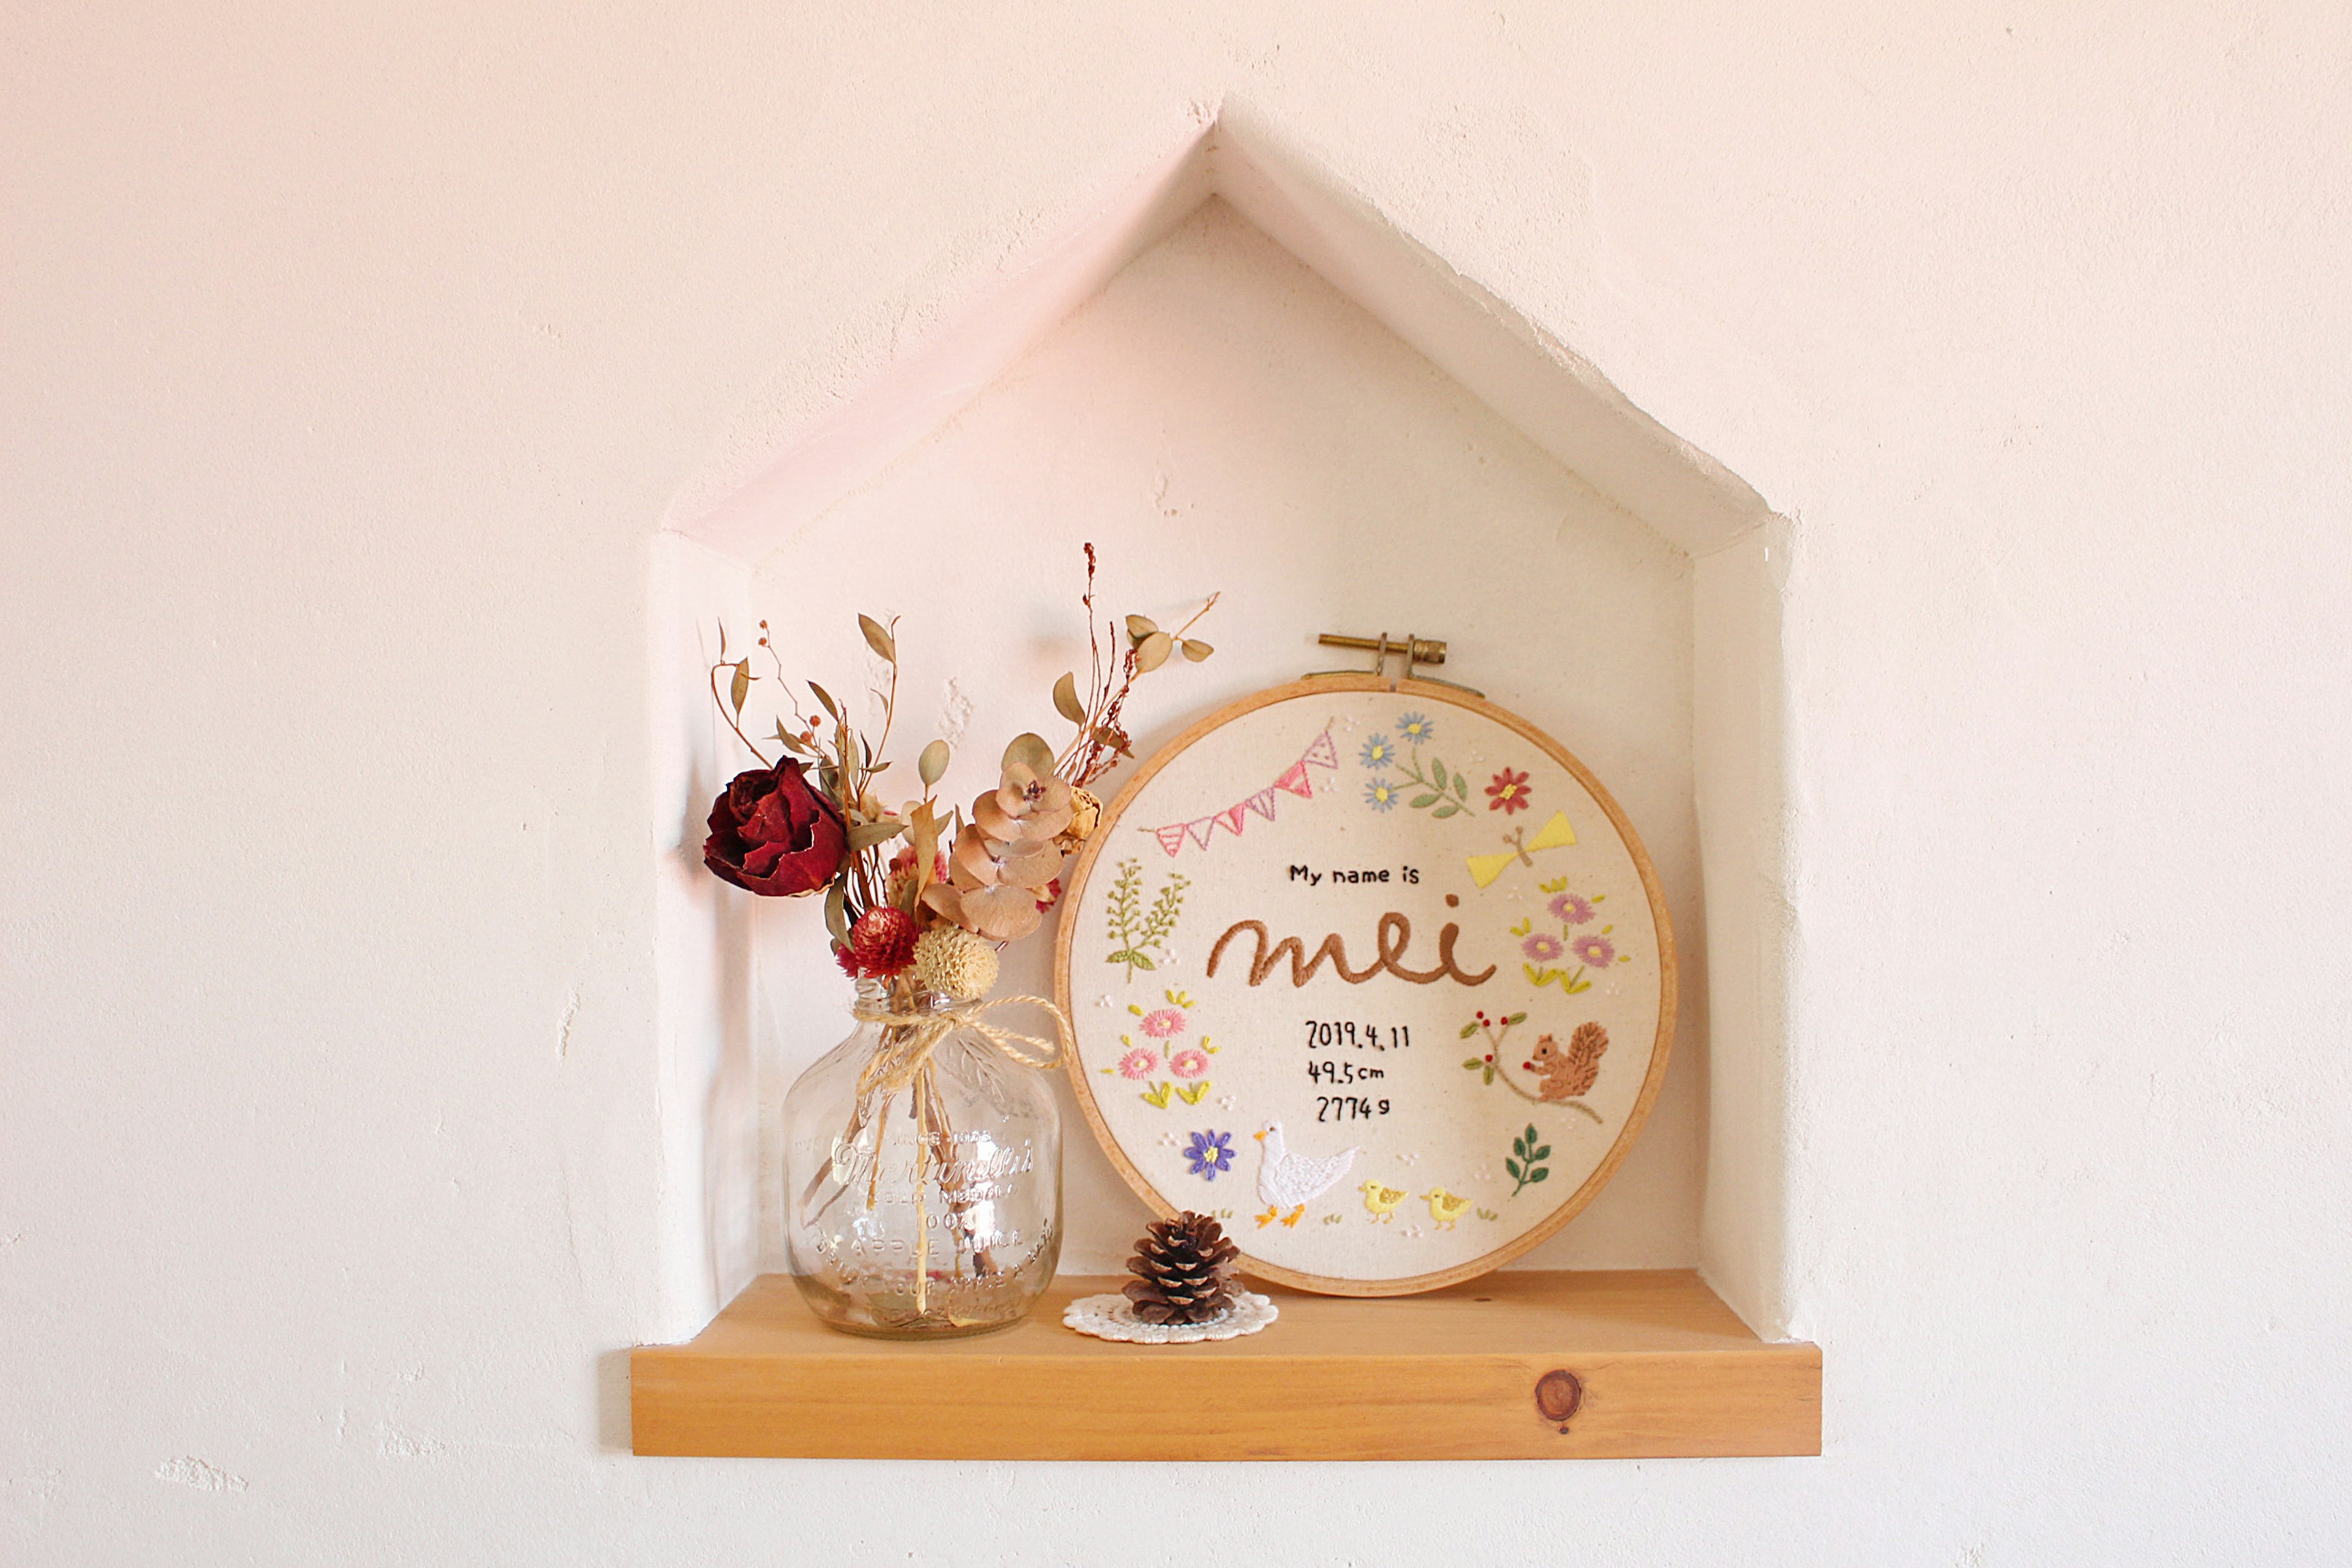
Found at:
<point>1154,651</point>
<point>879,640</point>
<point>836,911</point>
<point>1065,699</point>
<point>1031,751</point>
<point>866,835</point>
<point>1197,650</point>
<point>1140,627</point>
<point>823,696</point>
<point>933,763</point>
<point>740,686</point>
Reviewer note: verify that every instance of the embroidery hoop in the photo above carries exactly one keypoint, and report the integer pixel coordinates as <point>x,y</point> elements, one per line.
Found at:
<point>1116,836</point>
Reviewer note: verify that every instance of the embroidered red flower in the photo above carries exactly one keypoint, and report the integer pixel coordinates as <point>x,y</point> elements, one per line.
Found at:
<point>771,834</point>
<point>1509,793</point>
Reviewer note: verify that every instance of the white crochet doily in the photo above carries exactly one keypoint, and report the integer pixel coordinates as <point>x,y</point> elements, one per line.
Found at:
<point>1113,1318</point>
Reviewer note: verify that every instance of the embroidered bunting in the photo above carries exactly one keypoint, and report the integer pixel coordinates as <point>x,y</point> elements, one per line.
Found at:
<point>1294,780</point>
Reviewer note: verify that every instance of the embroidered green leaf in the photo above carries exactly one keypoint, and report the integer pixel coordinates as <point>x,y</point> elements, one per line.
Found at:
<point>1512,1166</point>
<point>1542,1154</point>
<point>1461,786</point>
<point>1139,962</point>
<point>1423,802</point>
<point>1473,1064</point>
<point>1446,811</point>
<point>1517,1018</point>
<point>1437,773</point>
<point>1469,1030</point>
<point>1542,1173</point>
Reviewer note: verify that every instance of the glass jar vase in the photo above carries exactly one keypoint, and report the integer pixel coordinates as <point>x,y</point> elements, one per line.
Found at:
<point>923,1186</point>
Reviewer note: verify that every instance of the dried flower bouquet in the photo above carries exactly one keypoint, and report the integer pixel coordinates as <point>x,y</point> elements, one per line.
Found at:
<point>938,1221</point>
<point>813,820</point>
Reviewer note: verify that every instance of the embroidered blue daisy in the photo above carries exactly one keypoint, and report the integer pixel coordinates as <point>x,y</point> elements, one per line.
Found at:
<point>1377,753</point>
<point>1209,1152</point>
<point>1416,728</point>
<point>1380,794</point>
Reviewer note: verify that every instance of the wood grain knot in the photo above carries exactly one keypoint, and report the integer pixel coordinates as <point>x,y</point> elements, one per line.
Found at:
<point>1559,1396</point>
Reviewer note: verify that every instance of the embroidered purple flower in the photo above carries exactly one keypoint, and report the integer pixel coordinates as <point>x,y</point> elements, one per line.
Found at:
<point>1189,1063</point>
<point>1208,1154</point>
<point>1508,793</point>
<point>1595,950</point>
<point>1569,910</point>
<point>1416,728</point>
<point>1377,753</point>
<point>1543,947</point>
<point>1380,794</point>
<point>1139,1063</point>
<point>1164,1023</point>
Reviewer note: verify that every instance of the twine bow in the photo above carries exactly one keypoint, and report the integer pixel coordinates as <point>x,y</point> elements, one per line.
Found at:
<point>893,1067</point>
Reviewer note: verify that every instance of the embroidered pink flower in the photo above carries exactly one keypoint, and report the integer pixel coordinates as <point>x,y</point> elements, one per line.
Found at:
<point>1543,947</point>
<point>1188,1064</point>
<point>1508,793</point>
<point>1569,910</point>
<point>1139,1063</point>
<point>1595,950</point>
<point>1165,1024</point>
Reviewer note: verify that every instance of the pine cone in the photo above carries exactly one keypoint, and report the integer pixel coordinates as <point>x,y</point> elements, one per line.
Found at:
<point>1183,1270</point>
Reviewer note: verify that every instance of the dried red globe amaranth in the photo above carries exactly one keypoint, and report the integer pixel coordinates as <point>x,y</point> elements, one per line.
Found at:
<point>882,944</point>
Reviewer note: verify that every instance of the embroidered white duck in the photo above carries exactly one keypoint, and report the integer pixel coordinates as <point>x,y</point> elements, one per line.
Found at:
<point>1288,1180</point>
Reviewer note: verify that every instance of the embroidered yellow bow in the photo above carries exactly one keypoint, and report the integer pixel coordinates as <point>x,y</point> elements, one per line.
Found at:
<point>1554,835</point>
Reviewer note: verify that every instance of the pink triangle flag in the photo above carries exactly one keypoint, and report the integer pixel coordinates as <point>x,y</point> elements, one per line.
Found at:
<point>1200,830</point>
<point>1231,818</point>
<point>1296,781</point>
<point>1262,803</point>
<point>1323,754</point>
<point>1172,838</point>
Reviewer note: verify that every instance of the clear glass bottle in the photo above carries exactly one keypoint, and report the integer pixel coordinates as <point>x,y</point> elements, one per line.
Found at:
<point>929,1209</point>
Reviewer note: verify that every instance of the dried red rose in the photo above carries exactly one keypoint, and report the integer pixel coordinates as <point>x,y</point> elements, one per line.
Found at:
<point>773,835</point>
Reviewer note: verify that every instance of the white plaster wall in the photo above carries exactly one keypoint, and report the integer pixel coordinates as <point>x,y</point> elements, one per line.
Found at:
<point>350,358</point>
<point>1220,418</point>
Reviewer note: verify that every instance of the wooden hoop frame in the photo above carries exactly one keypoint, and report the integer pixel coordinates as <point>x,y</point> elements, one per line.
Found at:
<point>1661,1049</point>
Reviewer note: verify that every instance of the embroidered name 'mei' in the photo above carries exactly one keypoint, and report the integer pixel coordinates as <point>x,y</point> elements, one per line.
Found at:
<point>1390,938</point>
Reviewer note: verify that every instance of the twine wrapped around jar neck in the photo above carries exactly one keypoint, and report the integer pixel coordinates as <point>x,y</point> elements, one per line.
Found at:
<point>913,1031</point>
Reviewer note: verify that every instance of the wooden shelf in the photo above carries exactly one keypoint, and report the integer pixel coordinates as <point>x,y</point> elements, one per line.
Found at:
<point>1665,1370</point>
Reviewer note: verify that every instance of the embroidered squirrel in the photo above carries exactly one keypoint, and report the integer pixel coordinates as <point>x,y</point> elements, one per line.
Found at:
<point>1564,1074</point>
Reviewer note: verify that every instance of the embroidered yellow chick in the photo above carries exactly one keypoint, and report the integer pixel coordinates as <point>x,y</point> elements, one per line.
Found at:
<point>1383,1200</point>
<point>1446,1209</point>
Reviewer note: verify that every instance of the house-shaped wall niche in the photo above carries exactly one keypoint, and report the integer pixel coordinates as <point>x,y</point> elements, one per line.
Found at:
<point>1234,375</point>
